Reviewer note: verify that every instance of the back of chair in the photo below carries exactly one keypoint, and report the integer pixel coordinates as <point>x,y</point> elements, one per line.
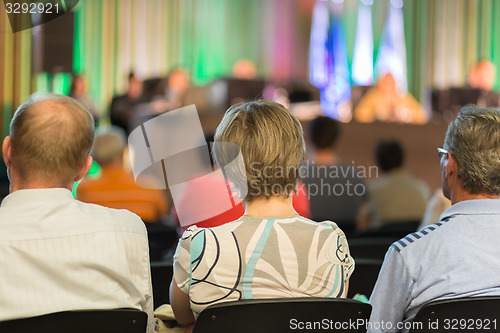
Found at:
<point>394,229</point>
<point>161,276</point>
<point>370,247</point>
<point>364,277</point>
<point>162,239</point>
<point>284,315</point>
<point>472,314</point>
<point>80,321</point>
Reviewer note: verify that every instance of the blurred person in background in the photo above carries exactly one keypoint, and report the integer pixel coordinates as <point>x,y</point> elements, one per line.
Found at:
<point>78,91</point>
<point>116,187</point>
<point>245,69</point>
<point>396,196</point>
<point>383,102</point>
<point>161,95</point>
<point>123,106</point>
<point>331,183</point>
<point>483,77</point>
<point>178,82</point>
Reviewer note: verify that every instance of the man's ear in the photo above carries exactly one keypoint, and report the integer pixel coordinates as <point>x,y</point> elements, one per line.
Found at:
<point>6,148</point>
<point>451,168</point>
<point>85,168</point>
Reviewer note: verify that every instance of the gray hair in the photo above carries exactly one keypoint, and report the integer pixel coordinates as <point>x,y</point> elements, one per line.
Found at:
<point>109,144</point>
<point>473,138</point>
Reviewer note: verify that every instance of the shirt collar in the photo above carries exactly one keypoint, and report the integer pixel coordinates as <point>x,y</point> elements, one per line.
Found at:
<point>473,207</point>
<point>37,195</point>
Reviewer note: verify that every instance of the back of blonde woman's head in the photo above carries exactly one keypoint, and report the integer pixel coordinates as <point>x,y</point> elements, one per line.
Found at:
<point>272,145</point>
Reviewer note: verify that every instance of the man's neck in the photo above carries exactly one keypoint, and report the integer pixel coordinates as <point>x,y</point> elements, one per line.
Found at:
<point>462,195</point>
<point>16,185</point>
<point>325,157</point>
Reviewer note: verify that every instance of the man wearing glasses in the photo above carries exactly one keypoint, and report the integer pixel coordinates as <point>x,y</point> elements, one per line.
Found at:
<point>458,255</point>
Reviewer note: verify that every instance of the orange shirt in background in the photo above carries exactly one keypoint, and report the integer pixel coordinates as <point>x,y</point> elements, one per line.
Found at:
<point>116,188</point>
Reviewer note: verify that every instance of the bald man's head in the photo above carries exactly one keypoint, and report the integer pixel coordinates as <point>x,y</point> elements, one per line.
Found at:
<point>51,137</point>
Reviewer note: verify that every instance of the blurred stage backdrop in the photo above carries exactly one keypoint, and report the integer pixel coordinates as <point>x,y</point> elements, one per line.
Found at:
<point>443,39</point>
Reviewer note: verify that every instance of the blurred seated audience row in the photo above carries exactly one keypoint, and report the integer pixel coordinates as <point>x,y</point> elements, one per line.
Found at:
<point>269,251</point>
<point>115,187</point>
<point>396,195</point>
<point>380,102</point>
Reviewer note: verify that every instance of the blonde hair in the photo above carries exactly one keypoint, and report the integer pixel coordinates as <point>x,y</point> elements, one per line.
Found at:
<point>51,137</point>
<point>272,145</point>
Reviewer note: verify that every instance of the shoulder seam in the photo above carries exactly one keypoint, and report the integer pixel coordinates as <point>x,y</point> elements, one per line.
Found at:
<point>399,245</point>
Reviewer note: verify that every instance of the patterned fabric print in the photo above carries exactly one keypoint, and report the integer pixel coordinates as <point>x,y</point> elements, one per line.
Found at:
<point>262,258</point>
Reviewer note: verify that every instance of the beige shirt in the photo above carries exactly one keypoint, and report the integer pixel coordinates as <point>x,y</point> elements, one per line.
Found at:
<point>398,197</point>
<point>59,254</point>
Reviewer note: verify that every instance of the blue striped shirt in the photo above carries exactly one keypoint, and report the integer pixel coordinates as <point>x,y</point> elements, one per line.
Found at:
<point>456,257</point>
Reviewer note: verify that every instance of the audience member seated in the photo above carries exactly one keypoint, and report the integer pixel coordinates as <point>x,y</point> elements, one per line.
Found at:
<point>123,106</point>
<point>458,256</point>
<point>116,187</point>
<point>57,253</point>
<point>396,196</point>
<point>336,192</point>
<point>383,102</point>
<point>78,91</point>
<point>271,251</point>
